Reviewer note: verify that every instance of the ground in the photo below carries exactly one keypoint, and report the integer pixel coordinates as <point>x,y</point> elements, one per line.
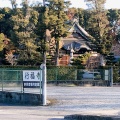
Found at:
<point>67,100</point>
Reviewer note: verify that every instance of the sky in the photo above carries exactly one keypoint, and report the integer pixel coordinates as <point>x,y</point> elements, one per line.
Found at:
<point>75,3</point>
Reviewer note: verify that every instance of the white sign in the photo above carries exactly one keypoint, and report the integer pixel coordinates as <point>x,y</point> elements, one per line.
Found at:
<point>31,78</point>
<point>31,75</point>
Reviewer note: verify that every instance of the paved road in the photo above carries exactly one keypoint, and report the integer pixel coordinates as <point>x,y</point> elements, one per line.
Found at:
<point>68,100</point>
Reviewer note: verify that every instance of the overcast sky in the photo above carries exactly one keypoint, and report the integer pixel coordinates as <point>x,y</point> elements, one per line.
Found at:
<point>75,3</point>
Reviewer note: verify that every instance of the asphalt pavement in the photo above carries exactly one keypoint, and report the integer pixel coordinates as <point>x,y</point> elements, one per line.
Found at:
<point>67,100</point>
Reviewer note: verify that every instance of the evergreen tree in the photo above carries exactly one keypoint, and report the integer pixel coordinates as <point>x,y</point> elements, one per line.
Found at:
<point>99,26</point>
<point>52,18</point>
<point>113,17</point>
<point>5,22</point>
<point>1,41</point>
<point>24,25</point>
<point>81,60</point>
<point>110,59</point>
<point>56,21</point>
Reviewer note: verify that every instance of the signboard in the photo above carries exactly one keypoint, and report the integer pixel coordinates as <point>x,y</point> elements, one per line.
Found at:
<point>31,78</point>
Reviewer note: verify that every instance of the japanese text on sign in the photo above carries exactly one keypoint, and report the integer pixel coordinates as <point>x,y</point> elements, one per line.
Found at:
<point>31,75</point>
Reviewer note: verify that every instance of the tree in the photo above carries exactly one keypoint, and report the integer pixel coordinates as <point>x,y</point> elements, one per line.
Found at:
<point>117,37</point>
<point>24,22</point>
<point>56,18</point>
<point>81,60</point>
<point>11,58</point>
<point>1,41</point>
<point>72,12</point>
<point>113,17</point>
<point>98,26</point>
<point>116,71</point>
<point>110,59</point>
<point>5,22</point>
<point>6,49</point>
<point>13,3</point>
<point>52,19</point>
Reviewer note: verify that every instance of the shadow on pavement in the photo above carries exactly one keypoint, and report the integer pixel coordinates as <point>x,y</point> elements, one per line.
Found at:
<point>56,119</point>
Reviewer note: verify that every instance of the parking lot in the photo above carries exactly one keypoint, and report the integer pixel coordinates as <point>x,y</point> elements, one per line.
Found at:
<point>66,100</point>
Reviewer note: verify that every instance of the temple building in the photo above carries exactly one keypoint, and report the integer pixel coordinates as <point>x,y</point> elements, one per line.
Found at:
<point>75,44</point>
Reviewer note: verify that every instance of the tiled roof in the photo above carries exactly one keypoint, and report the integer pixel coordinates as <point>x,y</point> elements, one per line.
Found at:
<point>76,46</point>
<point>78,29</point>
<point>73,37</point>
<point>77,35</point>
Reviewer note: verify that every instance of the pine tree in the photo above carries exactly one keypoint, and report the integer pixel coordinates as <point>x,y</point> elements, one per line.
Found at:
<point>113,17</point>
<point>24,25</point>
<point>99,26</point>
<point>56,21</point>
<point>5,23</point>
<point>110,59</point>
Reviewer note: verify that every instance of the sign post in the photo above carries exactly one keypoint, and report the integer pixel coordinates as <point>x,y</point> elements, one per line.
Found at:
<point>44,91</point>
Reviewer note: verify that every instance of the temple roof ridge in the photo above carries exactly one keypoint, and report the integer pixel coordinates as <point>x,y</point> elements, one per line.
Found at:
<point>82,29</point>
<point>79,29</point>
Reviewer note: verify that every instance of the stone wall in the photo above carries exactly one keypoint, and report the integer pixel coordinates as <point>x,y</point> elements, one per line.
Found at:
<point>20,98</point>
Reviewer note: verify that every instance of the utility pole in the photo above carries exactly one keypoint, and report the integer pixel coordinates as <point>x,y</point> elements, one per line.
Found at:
<point>44,90</point>
<point>43,2</point>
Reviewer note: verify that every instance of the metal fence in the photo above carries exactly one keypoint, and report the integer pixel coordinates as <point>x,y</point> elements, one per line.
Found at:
<point>100,77</point>
<point>12,80</point>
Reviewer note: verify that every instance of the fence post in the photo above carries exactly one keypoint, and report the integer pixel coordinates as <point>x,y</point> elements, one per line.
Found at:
<point>111,77</point>
<point>40,81</point>
<point>21,79</point>
<point>56,76</point>
<point>2,79</point>
<point>93,74</point>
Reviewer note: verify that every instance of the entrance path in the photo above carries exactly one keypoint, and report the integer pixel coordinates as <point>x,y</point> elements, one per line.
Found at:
<point>67,100</point>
